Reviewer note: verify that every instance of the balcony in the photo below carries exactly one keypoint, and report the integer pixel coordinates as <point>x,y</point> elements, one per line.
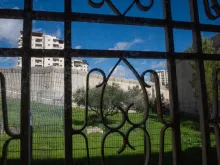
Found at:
<point>56,59</point>
<point>39,66</point>
<point>38,45</point>
<point>55,45</point>
<point>55,64</point>
<point>39,61</point>
<point>38,40</point>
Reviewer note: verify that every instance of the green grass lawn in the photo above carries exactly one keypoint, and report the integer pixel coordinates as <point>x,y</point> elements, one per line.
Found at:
<point>48,137</point>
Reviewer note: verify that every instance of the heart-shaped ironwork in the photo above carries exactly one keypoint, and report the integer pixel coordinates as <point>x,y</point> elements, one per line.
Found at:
<point>215,6</point>
<point>115,9</point>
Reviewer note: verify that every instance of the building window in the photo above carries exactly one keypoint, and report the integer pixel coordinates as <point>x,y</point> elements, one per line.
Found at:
<point>48,44</point>
<point>48,58</point>
<point>48,64</point>
<point>38,45</point>
<point>38,61</point>
<point>55,46</point>
<point>38,40</point>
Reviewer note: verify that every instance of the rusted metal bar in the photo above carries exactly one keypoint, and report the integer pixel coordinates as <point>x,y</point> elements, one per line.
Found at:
<point>5,151</point>
<point>98,18</point>
<point>25,85</point>
<point>5,121</point>
<point>15,52</point>
<point>68,85</point>
<point>215,94</point>
<point>201,83</point>
<point>214,115</point>
<point>215,6</point>
<point>5,109</point>
<point>173,91</point>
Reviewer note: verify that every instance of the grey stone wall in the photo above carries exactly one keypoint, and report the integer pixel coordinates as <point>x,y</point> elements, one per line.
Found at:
<point>187,101</point>
<point>47,84</point>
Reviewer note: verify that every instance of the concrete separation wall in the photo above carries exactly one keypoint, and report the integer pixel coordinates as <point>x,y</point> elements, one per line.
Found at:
<point>47,84</point>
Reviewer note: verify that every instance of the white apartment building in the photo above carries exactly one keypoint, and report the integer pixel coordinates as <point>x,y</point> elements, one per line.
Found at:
<point>80,65</point>
<point>163,77</point>
<point>43,41</point>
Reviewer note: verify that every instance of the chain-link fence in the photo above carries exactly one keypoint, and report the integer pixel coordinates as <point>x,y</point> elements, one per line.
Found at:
<point>48,124</point>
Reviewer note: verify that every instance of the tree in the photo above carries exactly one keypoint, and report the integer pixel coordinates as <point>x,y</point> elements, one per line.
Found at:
<point>79,96</point>
<point>209,66</point>
<point>113,97</point>
<point>135,95</point>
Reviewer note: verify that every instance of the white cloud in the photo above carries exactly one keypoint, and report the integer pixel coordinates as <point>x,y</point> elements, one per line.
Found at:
<point>126,45</point>
<point>99,60</point>
<point>58,33</point>
<point>12,61</point>
<point>10,30</point>
<point>37,29</point>
<point>5,59</point>
<point>143,62</point>
<point>78,47</point>
<point>16,8</point>
<point>161,64</point>
<point>121,71</point>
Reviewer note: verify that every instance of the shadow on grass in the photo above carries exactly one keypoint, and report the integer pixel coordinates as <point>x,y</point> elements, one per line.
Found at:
<point>192,156</point>
<point>186,120</point>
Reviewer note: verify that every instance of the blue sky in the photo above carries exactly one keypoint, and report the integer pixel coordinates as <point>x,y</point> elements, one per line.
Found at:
<point>106,36</point>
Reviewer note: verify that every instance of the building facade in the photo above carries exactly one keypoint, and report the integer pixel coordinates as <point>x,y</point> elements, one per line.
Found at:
<point>43,41</point>
<point>163,77</point>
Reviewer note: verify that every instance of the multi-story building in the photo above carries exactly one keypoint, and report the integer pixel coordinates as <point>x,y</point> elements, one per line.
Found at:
<point>80,65</point>
<point>163,77</point>
<point>43,41</point>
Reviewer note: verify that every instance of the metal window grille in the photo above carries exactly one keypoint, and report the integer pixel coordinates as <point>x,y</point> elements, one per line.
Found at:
<point>28,15</point>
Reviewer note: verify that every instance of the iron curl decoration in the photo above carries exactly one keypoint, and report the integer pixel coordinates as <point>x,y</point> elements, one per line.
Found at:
<point>124,112</point>
<point>214,119</point>
<point>160,113</point>
<point>116,11</point>
<point>80,131</point>
<point>214,6</point>
<point>12,135</point>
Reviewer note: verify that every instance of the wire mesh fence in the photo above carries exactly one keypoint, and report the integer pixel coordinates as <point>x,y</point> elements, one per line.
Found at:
<point>47,111</point>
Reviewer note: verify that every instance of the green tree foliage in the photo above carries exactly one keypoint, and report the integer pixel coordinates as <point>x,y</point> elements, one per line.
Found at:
<point>79,96</point>
<point>113,97</point>
<point>210,66</point>
<point>135,95</point>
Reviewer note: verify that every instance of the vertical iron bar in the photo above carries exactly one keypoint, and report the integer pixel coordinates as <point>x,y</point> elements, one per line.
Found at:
<point>201,83</point>
<point>68,84</point>
<point>171,65</point>
<point>25,85</point>
<point>31,136</point>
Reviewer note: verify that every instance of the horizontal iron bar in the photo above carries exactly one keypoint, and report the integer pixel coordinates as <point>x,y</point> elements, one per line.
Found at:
<point>18,52</point>
<point>100,18</point>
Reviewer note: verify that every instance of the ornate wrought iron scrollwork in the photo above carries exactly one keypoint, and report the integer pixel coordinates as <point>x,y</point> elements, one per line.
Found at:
<point>159,114</point>
<point>116,11</point>
<point>5,121</point>
<point>214,120</point>
<point>124,112</point>
<point>215,6</point>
